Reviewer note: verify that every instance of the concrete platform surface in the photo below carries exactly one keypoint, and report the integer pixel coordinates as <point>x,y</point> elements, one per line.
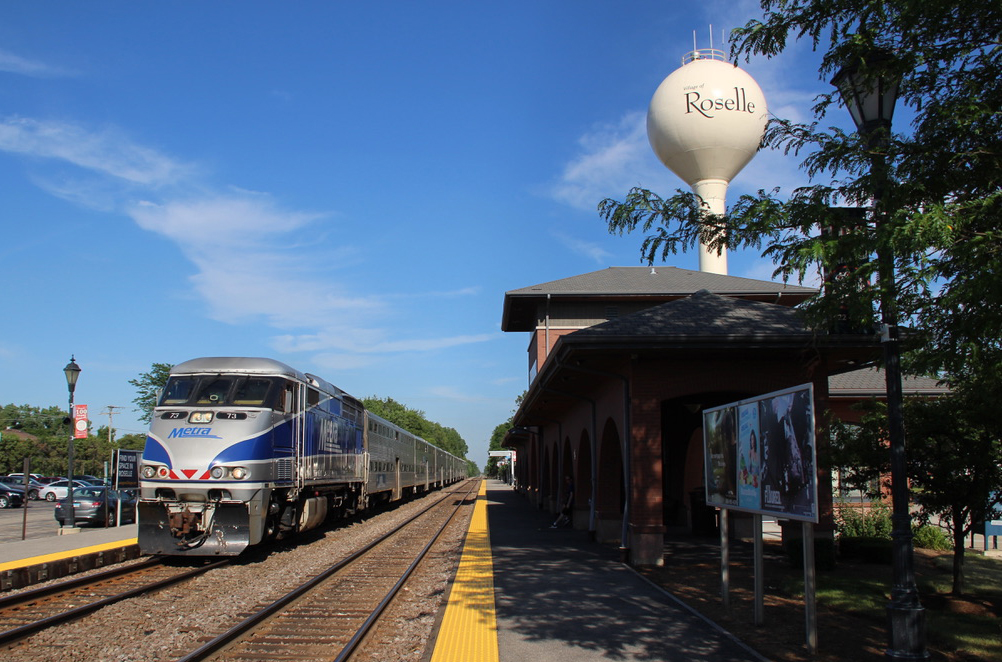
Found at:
<point>560,596</point>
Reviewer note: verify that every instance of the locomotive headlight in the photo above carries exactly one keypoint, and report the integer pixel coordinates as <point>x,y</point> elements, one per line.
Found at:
<point>238,472</point>
<point>149,471</point>
<point>200,417</point>
<point>217,471</point>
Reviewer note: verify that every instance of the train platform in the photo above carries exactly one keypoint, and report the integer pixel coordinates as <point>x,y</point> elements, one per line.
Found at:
<point>38,559</point>
<point>524,591</point>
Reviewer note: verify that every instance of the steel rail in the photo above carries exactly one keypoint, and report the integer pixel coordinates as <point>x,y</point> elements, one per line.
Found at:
<point>8,601</point>
<point>373,618</point>
<point>22,631</point>
<point>229,636</point>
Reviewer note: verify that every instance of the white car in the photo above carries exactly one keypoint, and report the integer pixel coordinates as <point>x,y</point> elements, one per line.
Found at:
<point>58,489</point>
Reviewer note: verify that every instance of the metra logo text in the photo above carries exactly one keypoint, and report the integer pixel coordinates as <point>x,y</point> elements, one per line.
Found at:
<point>203,433</point>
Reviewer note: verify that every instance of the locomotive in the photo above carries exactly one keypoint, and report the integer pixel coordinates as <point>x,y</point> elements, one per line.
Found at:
<point>245,450</point>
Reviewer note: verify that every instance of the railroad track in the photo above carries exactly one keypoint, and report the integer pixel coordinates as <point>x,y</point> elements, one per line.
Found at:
<point>29,612</point>
<point>328,617</point>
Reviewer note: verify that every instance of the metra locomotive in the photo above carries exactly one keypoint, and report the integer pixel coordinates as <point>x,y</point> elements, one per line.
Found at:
<point>242,450</point>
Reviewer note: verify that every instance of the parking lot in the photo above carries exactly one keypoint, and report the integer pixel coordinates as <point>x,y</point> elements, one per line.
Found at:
<point>39,523</point>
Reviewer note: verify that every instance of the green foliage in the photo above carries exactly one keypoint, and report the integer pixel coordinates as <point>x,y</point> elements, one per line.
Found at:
<point>929,195</point>
<point>148,386</point>
<point>954,446</point>
<point>414,421</point>
<point>930,537</point>
<point>497,437</point>
<point>42,436</point>
<point>871,522</point>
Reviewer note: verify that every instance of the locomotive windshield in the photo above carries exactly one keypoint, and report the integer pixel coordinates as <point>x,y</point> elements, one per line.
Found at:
<point>221,390</point>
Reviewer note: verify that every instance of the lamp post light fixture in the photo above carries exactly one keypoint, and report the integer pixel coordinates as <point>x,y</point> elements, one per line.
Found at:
<point>870,96</point>
<point>72,372</point>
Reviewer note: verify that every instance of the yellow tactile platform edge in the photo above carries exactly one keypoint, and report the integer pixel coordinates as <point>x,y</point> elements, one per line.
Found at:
<point>469,631</point>
<point>70,553</point>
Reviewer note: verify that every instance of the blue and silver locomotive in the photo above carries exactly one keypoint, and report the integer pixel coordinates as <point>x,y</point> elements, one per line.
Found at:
<point>243,450</point>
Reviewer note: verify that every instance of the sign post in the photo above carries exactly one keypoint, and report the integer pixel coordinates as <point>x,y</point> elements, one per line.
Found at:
<point>759,457</point>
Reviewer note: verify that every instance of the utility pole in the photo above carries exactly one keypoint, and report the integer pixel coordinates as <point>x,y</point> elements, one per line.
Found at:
<point>111,413</point>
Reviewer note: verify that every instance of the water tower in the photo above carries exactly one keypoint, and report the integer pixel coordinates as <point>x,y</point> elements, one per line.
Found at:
<point>705,122</point>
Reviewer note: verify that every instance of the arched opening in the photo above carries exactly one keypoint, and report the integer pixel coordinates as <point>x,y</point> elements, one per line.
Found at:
<point>583,483</point>
<point>682,451</point>
<point>610,500</point>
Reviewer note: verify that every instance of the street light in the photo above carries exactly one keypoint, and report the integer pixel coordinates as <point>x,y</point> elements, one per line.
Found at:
<point>870,94</point>
<point>72,372</point>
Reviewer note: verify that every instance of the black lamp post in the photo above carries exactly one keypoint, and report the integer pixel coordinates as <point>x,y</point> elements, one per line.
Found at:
<point>72,372</point>
<point>870,98</point>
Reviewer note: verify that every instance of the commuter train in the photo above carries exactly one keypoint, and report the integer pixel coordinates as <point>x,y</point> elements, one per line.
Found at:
<point>245,450</point>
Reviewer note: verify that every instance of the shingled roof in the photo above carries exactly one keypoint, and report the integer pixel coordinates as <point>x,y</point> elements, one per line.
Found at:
<point>705,314</point>
<point>867,381</point>
<point>657,284</point>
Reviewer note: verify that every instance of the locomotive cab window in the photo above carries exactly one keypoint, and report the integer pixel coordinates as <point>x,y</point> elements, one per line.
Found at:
<point>178,390</point>
<point>219,390</point>
<point>213,391</point>
<point>252,392</point>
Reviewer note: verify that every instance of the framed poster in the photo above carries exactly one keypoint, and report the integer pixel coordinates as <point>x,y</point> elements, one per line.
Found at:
<point>760,457</point>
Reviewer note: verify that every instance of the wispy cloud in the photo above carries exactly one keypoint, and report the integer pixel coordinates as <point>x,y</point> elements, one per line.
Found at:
<point>372,341</point>
<point>249,260</point>
<point>15,64</point>
<point>107,152</point>
<point>611,158</point>
<point>589,249</point>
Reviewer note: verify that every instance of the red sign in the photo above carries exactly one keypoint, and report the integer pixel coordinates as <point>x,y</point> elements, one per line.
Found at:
<point>80,421</point>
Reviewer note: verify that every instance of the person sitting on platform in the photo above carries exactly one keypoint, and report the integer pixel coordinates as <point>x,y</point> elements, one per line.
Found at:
<point>567,511</point>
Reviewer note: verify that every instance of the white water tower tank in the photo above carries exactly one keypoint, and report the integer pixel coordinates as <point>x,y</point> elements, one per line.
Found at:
<point>705,122</point>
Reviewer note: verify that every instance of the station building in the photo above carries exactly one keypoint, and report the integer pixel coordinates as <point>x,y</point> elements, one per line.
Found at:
<point>621,364</point>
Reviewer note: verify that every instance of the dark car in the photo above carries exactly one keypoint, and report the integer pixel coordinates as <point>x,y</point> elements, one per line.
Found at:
<point>34,487</point>
<point>10,496</point>
<point>97,505</point>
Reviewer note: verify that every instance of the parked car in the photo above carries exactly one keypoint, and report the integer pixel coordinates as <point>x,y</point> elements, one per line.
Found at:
<point>15,480</point>
<point>10,497</point>
<point>58,489</point>
<point>20,476</point>
<point>97,506</point>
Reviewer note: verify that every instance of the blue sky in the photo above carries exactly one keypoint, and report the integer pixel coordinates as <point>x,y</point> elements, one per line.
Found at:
<point>347,187</point>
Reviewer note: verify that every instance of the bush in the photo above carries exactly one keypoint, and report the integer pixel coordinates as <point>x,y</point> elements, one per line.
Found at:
<point>868,549</point>
<point>931,537</point>
<point>872,522</point>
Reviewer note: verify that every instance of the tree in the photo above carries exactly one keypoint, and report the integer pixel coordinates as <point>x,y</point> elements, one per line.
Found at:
<point>414,421</point>
<point>949,440</point>
<point>148,386</point>
<point>497,437</point>
<point>938,188</point>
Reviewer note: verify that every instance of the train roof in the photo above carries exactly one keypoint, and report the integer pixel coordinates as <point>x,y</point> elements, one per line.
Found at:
<point>251,365</point>
<point>254,365</point>
<point>237,364</point>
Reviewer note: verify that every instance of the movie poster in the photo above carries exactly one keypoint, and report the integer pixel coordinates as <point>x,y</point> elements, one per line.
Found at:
<point>789,485</point>
<point>759,455</point>
<point>720,451</point>
<point>749,458</point>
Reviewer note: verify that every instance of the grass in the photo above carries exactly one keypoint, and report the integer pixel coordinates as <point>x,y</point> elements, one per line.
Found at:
<point>851,602</point>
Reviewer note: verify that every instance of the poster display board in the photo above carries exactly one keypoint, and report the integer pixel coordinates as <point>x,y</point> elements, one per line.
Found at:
<point>759,455</point>
<point>127,469</point>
